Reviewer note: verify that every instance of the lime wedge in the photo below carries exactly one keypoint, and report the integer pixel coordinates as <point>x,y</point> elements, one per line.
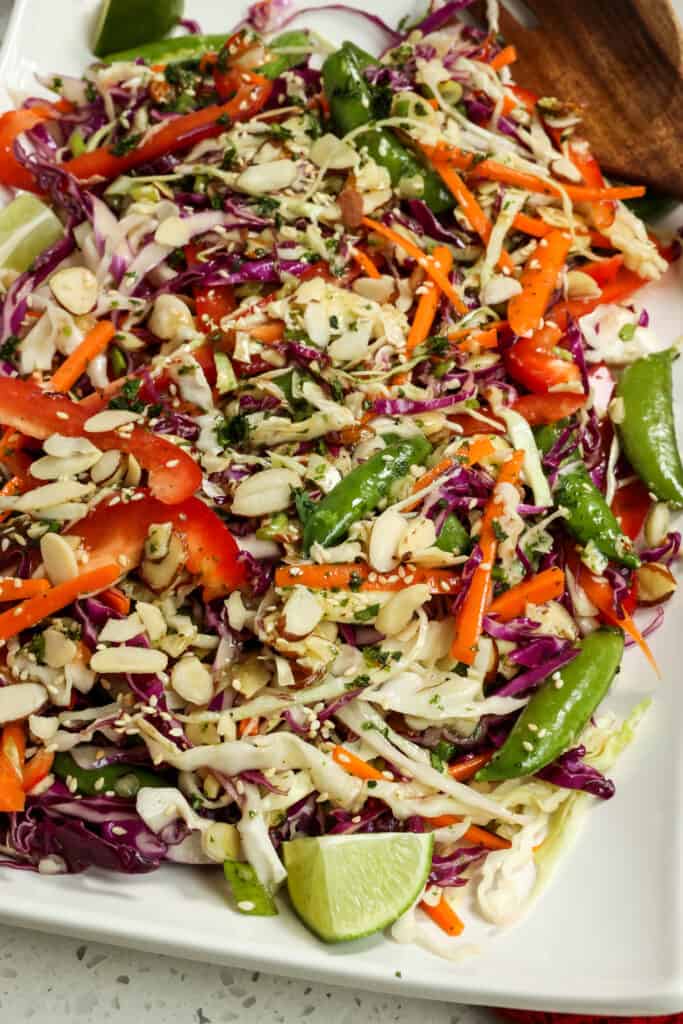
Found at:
<point>27,228</point>
<point>123,24</point>
<point>344,887</point>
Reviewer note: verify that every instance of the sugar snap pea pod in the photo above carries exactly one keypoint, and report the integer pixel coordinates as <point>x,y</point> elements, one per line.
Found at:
<point>589,516</point>
<point>297,43</point>
<point>249,894</point>
<point>170,51</point>
<point>123,780</point>
<point>362,491</point>
<point>557,714</point>
<point>351,106</point>
<point>648,430</point>
<point>590,519</point>
<point>453,537</point>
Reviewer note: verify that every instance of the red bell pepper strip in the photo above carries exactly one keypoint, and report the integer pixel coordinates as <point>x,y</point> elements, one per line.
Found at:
<point>117,530</point>
<point>173,474</point>
<point>212,304</point>
<point>12,124</point>
<point>549,408</point>
<point>604,271</point>
<point>624,284</point>
<point>531,361</point>
<point>250,93</point>
<point>631,505</point>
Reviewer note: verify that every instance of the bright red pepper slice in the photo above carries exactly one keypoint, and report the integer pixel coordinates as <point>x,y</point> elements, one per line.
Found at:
<point>531,362</point>
<point>470,425</point>
<point>173,474</point>
<point>631,505</point>
<point>548,408</point>
<point>604,271</point>
<point>252,92</point>
<point>117,530</point>
<point>603,210</point>
<point>622,286</point>
<point>212,304</point>
<point>12,124</point>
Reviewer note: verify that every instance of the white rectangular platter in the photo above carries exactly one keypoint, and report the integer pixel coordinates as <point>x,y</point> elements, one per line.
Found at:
<point>606,936</point>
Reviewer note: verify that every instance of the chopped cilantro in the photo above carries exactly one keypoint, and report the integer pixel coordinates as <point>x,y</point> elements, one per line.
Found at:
<point>232,431</point>
<point>304,505</point>
<point>127,397</point>
<point>366,614</point>
<point>126,144</point>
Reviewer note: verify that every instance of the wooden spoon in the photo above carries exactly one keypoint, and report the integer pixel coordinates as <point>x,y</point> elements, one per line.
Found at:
<point>621,62</point>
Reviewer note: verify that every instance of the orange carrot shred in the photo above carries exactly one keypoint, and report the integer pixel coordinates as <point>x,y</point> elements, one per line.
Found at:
<point>474,833</point>
<point>544,586</point>
<point>365,263</point>
<point>17,589</point>
<point>35,609</point>
<point>538,280</point>
<point>429,301</point>
<point>37,769</point>
<point>467,767</point>
<point>75,364</point>
<point>248,727</point>
<point>471,208</point>
<point>471,613</point>
<point>354,575</point>
<point>422,259</point>
<point>507,56</point>
<point>355,765</point>
<point>494,171</point>
<point>443,915</point>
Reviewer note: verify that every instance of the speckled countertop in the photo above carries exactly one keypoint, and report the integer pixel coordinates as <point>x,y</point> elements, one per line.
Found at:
<point>44,977</point>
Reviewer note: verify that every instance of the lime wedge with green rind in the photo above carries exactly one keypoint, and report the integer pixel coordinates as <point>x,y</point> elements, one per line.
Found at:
<point>27,228</point>
<point>123,24</point>
<point>347,886</point>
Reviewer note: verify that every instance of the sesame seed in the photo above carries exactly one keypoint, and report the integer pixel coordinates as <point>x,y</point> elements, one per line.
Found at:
<point>527,745</point>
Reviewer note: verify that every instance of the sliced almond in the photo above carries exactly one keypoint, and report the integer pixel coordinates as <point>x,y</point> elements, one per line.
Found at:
<point>395,615</point>
<point>75,288</point>
<point>109,419</point>
<point>657,524</point>
<point>106,466</point>
<point>51,467</point>
<point>58,557</point>
<point>135,660</point>
<point>656,583</point>
<point>192,680</point>
<point>20,700</point>
<point>59,649</point>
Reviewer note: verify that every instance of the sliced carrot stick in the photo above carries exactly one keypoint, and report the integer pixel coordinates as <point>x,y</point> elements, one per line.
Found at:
<point>248,727</point>
<point>269,333</point>
<point>494,171</point>
<point>12,796</point>
<point>422,259</point>
<point>474,452</point>
<point>467,767</point>
<point>17,590</point>
<point>429,301</point>
<point>474,834</point>
<point>600,593</point>
<point>355,765</point>
<point>465,332</point>
<point>506,56</point>
<point>14,745</point>
<point>428,478</point>
<point>534,226</point>
<point>357,576</point>
<point>116,600</point>
<point>544,586</point>
<point>479,340</point>
<point>35,609</point>
<point>538,280</point>
<point>443,915</point>
<point>365,263</point>
<point>95,342</point>
<point>37,769</point>
<point>470,207</point>
<point>471,613</point>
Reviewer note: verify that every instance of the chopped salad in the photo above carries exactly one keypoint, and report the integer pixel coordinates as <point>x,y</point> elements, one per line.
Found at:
<point>338,454</point>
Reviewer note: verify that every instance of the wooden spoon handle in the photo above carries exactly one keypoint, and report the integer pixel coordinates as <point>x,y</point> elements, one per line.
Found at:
<point>621,61</point>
